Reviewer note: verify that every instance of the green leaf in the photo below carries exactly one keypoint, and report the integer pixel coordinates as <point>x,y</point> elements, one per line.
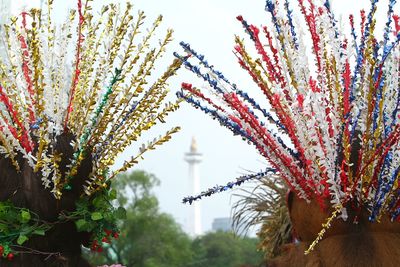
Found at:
<point>108,216</point>
<point>113,194</point>
<point>82,204</point>
<point>80,224</point>
<point>96,216</point>
<point>25,216</point>
<point>3,227</point>
<point>120,213</point>
<point>21,239</point>
<point>2,207</point>
<point>39,232</point>
<point>99,202</point>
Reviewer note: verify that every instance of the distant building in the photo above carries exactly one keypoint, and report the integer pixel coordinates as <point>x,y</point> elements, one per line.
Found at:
<point>222,224</point>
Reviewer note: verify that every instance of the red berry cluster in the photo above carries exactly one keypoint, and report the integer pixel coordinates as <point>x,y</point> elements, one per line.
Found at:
<point>96,246</point>
<point>105,237</point>
<point>8,255</point>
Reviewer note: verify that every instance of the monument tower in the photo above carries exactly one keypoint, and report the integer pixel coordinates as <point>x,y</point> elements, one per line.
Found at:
<point>194,158</point>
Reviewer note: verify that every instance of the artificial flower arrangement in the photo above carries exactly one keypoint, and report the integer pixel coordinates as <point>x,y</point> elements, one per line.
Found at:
<point>330,127</point>
<point>84,82</point>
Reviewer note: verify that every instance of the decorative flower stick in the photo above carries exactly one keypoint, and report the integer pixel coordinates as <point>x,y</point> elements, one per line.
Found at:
<point>331,125</point>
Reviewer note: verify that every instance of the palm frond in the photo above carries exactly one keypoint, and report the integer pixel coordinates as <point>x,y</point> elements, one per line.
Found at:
<point>264,206</point>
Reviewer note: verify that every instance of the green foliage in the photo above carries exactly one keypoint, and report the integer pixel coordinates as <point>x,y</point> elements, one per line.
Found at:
<point>18,225</point>
<point>95,214</point>
<point>224,249</point>
<point>149,238</point>
<point>153,239</point>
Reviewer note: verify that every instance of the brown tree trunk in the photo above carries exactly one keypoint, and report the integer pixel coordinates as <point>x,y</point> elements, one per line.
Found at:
<point>61,246</point>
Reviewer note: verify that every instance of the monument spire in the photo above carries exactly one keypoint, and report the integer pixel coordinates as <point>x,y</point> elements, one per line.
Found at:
<point>194,158</point>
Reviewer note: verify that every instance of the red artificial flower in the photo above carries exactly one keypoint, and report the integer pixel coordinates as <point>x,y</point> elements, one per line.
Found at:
<point>108,232</point>
<point>10,256</point>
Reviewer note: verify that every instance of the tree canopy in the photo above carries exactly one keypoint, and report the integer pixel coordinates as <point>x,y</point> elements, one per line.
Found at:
<point>221,249</point>
<point>151,238</point>
<point>148,237</point>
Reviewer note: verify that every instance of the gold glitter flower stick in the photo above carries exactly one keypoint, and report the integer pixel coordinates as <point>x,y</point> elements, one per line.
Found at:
<point>107,113</point>
<point>78,57</point>
<point>81,153</point>
<point>90,83</point>
<point>88,99</point>
<point>131,45</point>
<point>129,118</point>
<point>144,148</point>
<point>99,181</point>
<point>6,148</point>
<point>325,227</point>
<point>144,71</point>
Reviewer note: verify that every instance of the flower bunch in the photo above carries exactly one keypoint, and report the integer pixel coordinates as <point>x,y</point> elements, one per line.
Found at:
<point>92,83</point>
<point>92,78</point>
<point>331,125</point>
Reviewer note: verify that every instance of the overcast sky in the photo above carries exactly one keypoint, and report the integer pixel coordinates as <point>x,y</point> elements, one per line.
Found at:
<point>209,26</point>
